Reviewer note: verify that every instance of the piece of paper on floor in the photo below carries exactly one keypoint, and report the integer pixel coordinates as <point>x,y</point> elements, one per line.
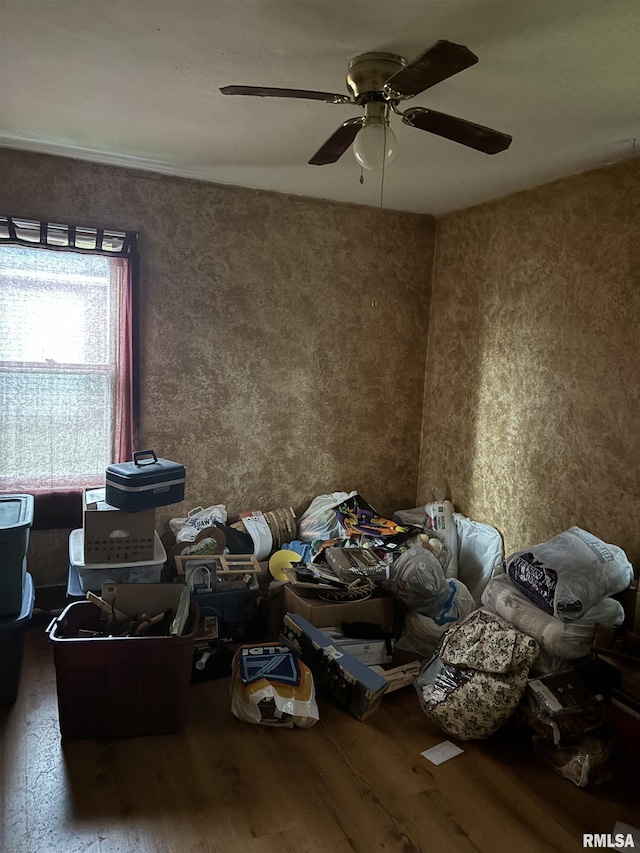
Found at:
<point>442,752</point>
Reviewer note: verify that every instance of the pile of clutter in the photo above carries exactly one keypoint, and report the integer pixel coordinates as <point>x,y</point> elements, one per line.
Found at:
<point>421,556</point>
<point>495,636</point>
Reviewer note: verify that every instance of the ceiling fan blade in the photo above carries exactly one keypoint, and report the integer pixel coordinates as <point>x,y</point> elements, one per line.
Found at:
<point>458,130</point>
<point>442,60</point>
<point>262,92</point>
<point>337,144</point>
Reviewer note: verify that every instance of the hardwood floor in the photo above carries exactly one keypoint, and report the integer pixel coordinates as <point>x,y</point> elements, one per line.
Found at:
<point>224,786</point>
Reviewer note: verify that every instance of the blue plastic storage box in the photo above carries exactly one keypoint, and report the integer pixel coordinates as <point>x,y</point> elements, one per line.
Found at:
<point>12,645</point>
<point>16,519</point>
<point>145,483</point>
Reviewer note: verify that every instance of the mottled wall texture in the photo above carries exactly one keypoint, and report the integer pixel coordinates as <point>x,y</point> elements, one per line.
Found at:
<point>283,340</point>
<point>532,415</point>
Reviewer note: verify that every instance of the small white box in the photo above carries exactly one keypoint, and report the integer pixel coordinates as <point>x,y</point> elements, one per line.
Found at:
<point>93,575</point>
<point>369,652</point>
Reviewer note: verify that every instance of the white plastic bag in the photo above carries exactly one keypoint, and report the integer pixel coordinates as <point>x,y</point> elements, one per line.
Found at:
<point>440,521</point>
<point>187,529</point>
<point>416,516</point>
<point>570,573</point>
<point>417,579</point>
<point>557,637</point>
<point>421,633</point>
<point>319,520</point>
<point>480,554</point>
<point>270,685</point>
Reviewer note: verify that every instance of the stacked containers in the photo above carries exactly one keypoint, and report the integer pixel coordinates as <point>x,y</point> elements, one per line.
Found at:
<point>16,589</point>
<point>12,645</point>
<point>91,576</point>
<point>16,519</point>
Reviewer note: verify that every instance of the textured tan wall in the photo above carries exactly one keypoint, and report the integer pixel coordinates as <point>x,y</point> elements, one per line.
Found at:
<point>533,369</point>
<point>283,339</point>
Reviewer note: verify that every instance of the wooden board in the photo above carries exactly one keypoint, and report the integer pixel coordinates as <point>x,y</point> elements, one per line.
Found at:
<point>245,564</point>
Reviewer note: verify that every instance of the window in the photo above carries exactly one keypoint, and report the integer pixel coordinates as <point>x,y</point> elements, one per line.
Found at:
<point>66,356</point>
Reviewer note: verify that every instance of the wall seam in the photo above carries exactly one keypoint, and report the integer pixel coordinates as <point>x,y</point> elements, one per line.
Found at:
<point>426,359</point>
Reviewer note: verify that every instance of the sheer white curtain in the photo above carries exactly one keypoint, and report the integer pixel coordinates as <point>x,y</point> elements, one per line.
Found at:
<point>66,373</point>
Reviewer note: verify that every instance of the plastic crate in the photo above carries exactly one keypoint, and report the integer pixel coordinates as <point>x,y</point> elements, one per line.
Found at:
<point>235,610</point>
<point>93,575</point>
<point>112,687</point>
<point>16,519</point>
<point>12,645</point>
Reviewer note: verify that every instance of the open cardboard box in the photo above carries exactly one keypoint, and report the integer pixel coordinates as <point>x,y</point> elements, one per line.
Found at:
<point>349,682</point>
<point>112,535</point>
<point>378,609</point>
<point>133,599</point>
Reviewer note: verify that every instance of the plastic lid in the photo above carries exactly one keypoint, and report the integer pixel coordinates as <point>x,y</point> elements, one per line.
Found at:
<point>16,511</point>
<point>76,553</point>
<point>28,599</point>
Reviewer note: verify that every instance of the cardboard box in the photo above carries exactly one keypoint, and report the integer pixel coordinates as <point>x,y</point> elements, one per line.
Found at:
<point>135,598</point>
<point>369,652</point>
<point>624,673</point>
<point>324,614</point>
<point>114,536</point>
<point>372,651</point>
<point>352,684</point>
<point>630,600</point>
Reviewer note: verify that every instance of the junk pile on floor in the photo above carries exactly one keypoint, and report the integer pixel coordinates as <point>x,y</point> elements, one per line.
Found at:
<point>346,602</point>
<point>489,629</point>
<point>560,593</point>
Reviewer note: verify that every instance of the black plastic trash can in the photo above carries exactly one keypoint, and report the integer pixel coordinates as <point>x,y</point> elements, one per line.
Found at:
<point>12,645</point>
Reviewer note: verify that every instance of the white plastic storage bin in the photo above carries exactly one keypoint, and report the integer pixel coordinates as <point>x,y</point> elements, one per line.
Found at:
<point>93,575</point>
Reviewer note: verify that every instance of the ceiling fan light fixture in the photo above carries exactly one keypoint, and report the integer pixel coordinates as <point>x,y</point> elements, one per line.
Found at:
<point>375,146</point>
<point>378,81</point>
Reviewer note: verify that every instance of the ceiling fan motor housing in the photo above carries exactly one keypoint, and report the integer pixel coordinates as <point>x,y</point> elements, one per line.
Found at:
<point>369,72</point>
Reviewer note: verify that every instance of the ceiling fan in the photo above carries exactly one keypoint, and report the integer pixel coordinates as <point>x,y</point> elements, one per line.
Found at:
<point>379,82</point>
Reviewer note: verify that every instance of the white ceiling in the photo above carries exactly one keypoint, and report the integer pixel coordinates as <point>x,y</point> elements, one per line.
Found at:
<point>135,83</point>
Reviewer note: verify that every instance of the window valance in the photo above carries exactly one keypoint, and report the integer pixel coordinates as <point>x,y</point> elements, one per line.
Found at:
<point>70,238</point>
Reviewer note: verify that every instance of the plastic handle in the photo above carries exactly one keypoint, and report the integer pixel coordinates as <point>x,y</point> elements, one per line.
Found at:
<point>200,664</point>
<point>49,627</point>
<point>137,454</point>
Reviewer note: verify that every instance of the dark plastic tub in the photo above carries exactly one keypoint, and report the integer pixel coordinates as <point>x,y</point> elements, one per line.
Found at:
<point>12,645</point>
<point>112,687</point>
<point>235,609</point>
<point>16,519</point>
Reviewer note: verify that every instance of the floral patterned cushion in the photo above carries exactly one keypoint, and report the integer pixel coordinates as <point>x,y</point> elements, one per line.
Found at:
<point>476,678</point>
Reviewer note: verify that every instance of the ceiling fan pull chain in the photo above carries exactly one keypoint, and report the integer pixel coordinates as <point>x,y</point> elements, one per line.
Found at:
<point>361,175</point>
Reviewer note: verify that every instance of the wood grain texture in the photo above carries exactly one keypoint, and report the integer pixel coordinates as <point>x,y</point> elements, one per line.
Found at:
<point>224,786</point>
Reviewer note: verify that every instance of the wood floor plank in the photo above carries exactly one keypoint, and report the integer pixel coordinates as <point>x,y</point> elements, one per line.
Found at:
<point>225,786</point>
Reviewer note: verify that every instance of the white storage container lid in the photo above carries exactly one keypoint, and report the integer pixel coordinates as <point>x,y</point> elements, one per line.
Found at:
<point>76,554</point>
